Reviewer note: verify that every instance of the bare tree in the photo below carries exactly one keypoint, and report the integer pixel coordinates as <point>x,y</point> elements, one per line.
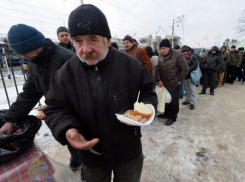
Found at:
<point>241,24</point>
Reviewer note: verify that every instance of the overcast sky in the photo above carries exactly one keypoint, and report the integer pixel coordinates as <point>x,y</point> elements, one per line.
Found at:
<point>205,22</point>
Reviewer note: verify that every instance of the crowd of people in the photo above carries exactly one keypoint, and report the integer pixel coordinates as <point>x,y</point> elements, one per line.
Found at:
<point>86,80</point>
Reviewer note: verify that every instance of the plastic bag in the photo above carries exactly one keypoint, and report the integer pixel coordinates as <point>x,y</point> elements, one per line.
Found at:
<point>168,95</point>
<point>161,99</point>
<point>11,145</point>
<point>196,75</point>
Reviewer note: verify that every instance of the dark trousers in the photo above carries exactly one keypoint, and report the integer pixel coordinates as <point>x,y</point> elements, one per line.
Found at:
<point>209,77</point>
<point>239,73</point>
<point>128,172</point>
<point>172,108</point>
<point>75,160</point>
<point>243,72</point>
<point>231,74</point>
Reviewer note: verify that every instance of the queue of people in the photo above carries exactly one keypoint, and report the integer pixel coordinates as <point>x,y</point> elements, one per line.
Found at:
<point>86,80</point>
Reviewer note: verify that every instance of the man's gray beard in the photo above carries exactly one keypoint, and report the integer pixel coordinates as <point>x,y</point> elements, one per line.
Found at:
<point>101,57</point>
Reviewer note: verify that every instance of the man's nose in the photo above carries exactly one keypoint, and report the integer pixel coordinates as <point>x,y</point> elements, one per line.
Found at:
<point>86,48</point>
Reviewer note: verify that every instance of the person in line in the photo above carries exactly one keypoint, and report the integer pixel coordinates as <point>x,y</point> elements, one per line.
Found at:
<point>172,70</point>
<point>212,63</point>
<point>138,53</point>
<point>105,81</point>
<point>190,88</point>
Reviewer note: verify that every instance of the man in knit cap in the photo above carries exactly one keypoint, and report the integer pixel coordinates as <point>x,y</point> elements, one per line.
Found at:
<point>105,81</point>
<point>45,58</point>
<point>172,70</point>
<point>64,38</point>
<point>137,52</point>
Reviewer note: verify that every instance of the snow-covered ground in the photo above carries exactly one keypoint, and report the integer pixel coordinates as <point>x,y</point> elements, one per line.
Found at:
<point>206,144</point>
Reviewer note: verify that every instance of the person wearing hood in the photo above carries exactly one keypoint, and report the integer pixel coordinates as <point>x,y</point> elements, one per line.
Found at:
<point>212,63</point>
<point>190,88</point>
<point>233,64</point>
<point>138,53</point>
<point>221,76</point>
<point>154,61</point>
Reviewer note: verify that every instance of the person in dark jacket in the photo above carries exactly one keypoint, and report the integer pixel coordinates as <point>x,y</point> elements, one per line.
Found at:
<point>105,81</point>
<point>243,65</point>
<point>233,64</point>
<point>212,63</point>
<point>190,88</point>
<point>114,45</point>
<point>64,38</point>
<point>172,70</point>
<point>45,58</point>
<point>181,86</point>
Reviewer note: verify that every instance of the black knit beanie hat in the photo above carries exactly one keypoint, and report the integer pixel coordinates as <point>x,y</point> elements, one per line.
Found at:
<point>88,19</point>
<point>62,29</point>
<point>165,43</point>
<point>129,38</point>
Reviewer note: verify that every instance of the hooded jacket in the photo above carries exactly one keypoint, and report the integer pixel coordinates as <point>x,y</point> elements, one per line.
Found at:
<point>88,97</point>
<point>172,69</point>
<point>41,71</point>
<point>213,62</point>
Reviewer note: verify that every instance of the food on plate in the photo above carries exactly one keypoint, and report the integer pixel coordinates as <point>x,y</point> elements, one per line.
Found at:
<point>40,114</point>
<point>141,112</point>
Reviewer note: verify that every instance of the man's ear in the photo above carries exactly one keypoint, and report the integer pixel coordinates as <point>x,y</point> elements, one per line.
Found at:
<point>109,42</point>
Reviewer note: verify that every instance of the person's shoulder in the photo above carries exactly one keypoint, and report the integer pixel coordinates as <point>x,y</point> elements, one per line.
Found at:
<point>123,57</point>
<point>63,52</point>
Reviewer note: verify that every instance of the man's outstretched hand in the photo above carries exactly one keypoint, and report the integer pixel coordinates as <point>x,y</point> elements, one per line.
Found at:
<point>78,141</point>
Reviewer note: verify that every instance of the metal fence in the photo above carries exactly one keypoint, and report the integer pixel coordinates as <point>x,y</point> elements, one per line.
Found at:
<point>7,70</point>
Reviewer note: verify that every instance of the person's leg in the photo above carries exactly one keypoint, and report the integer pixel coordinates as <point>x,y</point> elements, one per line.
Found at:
<point>220,77</point>
<point>174,104</point>
<point>97,174</point>
<point>130,171</point>
<point>225,77</point>
<point>181,90</point>
<point>192,91</point>
<point>212,75</point>
<point>243,72</point>
<point>186,88</point>
<point>206,82</point>
<point>240,73</point>
<point>75,160</point>
<point>229,75</point>
<point>233,74</point>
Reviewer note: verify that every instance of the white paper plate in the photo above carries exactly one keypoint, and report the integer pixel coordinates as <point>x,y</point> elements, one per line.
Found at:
<point>135,123</point>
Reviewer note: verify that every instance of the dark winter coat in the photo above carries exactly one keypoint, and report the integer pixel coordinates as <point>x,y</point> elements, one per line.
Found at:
<point>213,62</point>
<point>41,71</point>
<point>172,69</point>
<point>88,97</point>
<point>192,63</point>
<point>235,58</point>
<point>69,46</point>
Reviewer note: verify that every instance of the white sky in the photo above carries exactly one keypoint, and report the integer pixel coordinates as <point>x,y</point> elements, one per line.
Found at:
<point>204,21</point>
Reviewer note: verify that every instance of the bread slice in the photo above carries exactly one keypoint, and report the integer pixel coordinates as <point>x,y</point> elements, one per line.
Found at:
<point>142,109</point>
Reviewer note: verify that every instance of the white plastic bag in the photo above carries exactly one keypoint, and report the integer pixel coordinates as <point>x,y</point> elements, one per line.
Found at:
<point>168,96</point>
<point>161,99</point>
